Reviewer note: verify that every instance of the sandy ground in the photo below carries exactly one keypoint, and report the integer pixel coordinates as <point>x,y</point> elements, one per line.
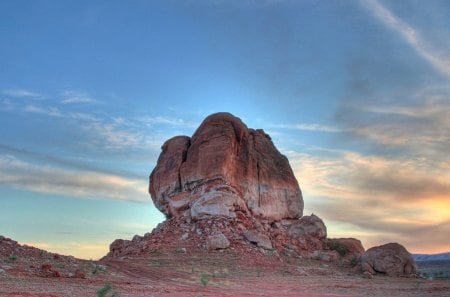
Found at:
<point>213,274</point>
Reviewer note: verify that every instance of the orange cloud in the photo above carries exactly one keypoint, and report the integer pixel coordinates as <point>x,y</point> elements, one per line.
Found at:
<point>377,199</point>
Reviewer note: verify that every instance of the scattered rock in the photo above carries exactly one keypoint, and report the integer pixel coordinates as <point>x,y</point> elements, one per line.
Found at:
<point>185,236</point>
<point>79,274</point>
<point>47,270</point>
<point>328,256</point>
<point>218,241</point>
<point>391,259</point>
<point>367,274</point>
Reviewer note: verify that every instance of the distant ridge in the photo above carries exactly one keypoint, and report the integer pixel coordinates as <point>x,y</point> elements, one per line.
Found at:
<point>431,257</point>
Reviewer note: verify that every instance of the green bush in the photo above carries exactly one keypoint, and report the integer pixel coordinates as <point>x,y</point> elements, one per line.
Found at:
<point>355,260</point>
<point>204,279</point>
<point>105,290</point>
<point>13,258</point>
<point>335,245</point>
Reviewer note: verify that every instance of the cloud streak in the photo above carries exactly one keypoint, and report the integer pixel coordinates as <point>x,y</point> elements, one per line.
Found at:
<point>21,93</point>
<point>411,35</point>
<point>78,183</point>
<point>309,127</point>
<point>52,111</point>
<point>73,97</point>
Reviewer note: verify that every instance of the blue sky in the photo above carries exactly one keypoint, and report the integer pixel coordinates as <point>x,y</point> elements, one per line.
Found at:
<point>355,93</point>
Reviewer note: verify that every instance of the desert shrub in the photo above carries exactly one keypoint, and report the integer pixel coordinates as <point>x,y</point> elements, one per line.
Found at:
<point>441,275</point>
<point>98,268</point>
<point>156,252</point>
<point>272,252</point>
<point>13,258</point>
<point>204,279</point>
<point>259,271</point>
<point>355,260</point>
<point>103,292</point>
<point>335,245</point>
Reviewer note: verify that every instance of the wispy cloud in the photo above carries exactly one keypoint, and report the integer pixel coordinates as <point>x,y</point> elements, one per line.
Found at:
<point>308,127</point>
<point>411,35</point>
<point>74,97</point>
<point>21,93</point>
<point>164,120</point>
<point>79,164</point>
<point>51,111</point>
<point>115,137</point>
<point>7,105</point>
<point>417,125</point>
<point>77,183</point>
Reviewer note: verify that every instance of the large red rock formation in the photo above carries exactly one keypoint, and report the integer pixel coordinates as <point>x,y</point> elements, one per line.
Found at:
<point>228,187</point>
<point>225,169</point>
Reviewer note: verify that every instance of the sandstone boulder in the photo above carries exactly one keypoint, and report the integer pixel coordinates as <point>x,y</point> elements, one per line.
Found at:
<point>310,232</point>
<point>217,241</point>
<point>391,259</point>
<point>224,168</point>
<point>259,239</point>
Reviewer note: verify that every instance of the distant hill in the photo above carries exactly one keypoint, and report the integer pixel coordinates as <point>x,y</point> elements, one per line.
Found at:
<point>434,257</point>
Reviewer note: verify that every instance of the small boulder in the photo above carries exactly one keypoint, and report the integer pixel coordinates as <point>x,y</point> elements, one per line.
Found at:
<point>309,231</point>
<point>391,259</point>
<point>328,256</point>
<point>259,239</point>
<point>216,242</point>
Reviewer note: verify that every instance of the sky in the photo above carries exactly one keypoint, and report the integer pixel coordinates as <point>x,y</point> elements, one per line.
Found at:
<point>355,93</point>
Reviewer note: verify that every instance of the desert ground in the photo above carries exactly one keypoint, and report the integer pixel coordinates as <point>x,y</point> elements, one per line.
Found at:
<point>205,273</point>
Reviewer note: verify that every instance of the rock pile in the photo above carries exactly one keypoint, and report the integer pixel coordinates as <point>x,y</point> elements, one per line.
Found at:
<point>23,260</point>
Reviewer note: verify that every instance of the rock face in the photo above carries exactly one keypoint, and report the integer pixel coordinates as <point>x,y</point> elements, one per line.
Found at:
<point>391,259</point>
<point>227,170</point>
